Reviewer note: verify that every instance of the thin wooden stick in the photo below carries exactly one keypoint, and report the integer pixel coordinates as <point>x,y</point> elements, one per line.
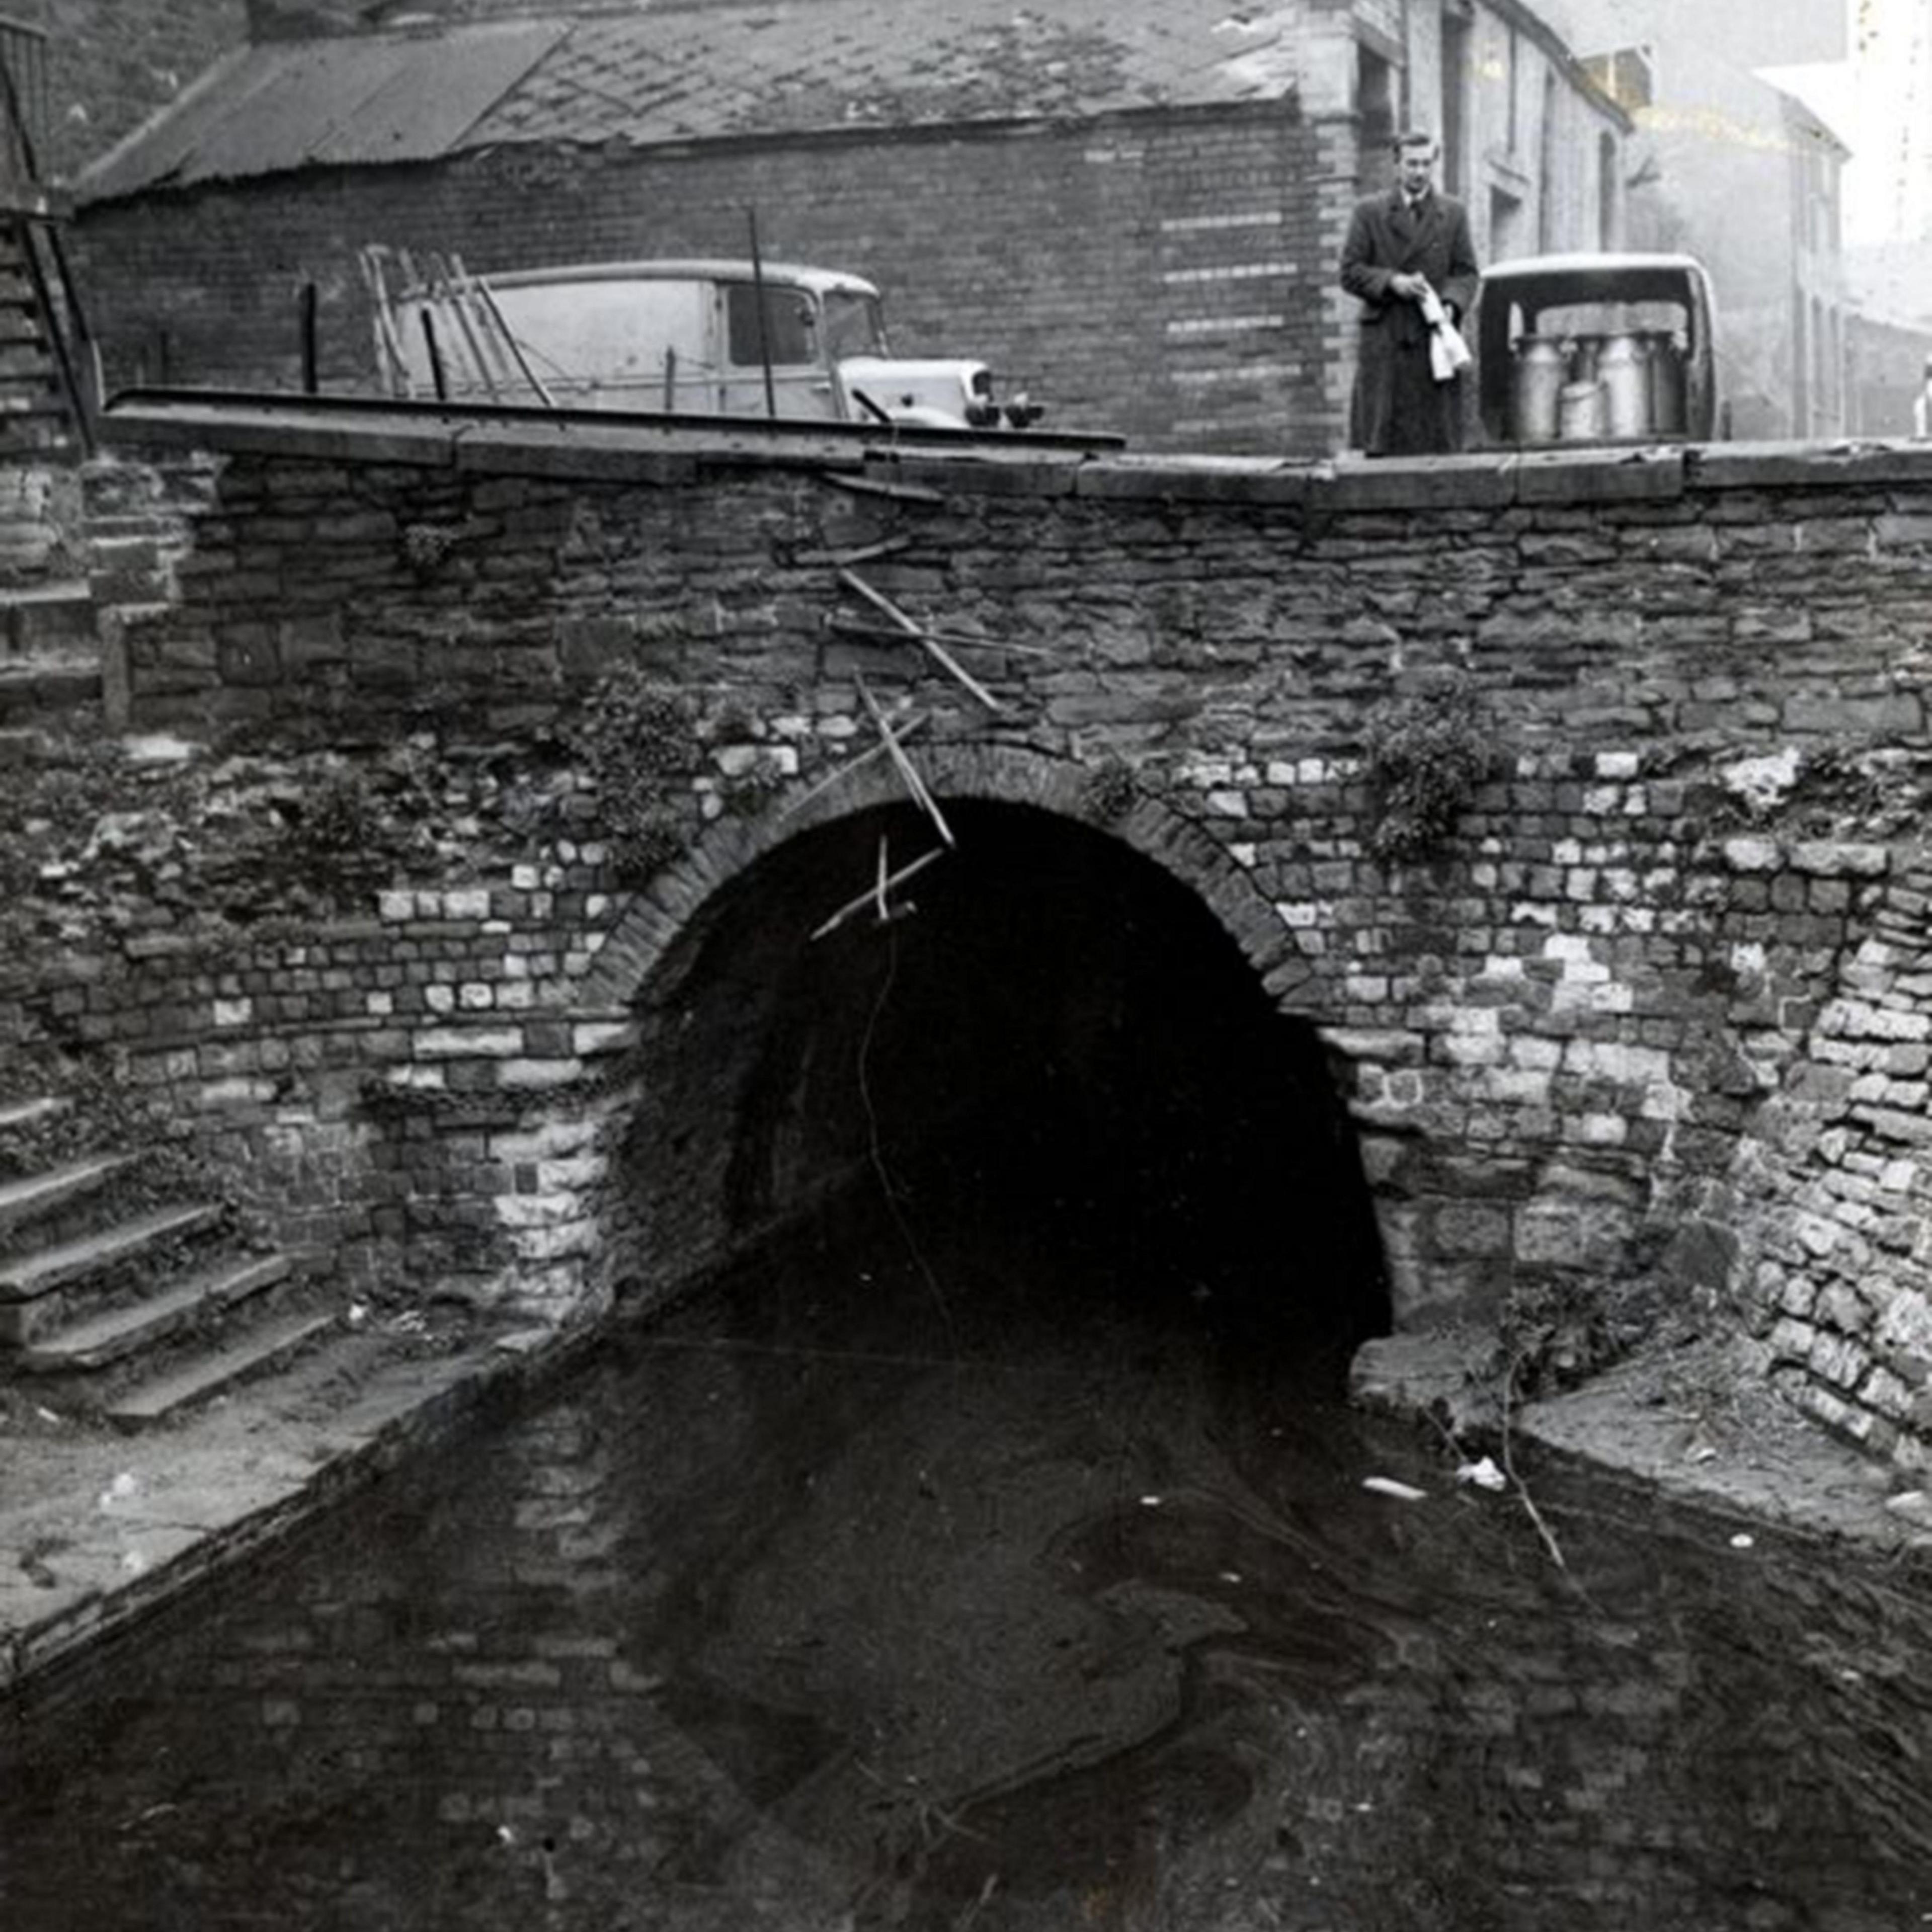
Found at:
<point>388,347</point>
<point>530,376</point>
<point>907,770</point>
<point>450,299</point>
<point>881,601</point>
<point>913,723</point>
<point>870,895</point>
<point>850,627</point>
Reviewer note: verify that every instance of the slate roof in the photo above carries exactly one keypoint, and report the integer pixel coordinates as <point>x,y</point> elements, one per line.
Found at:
<point>761,68</point>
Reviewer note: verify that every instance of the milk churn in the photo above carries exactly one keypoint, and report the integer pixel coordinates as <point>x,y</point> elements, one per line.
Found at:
<point>1624,374</point>
<point>1583,353</point>
<point>1666,384</point>
<point>1538,381</point>
<point>1580,412</point>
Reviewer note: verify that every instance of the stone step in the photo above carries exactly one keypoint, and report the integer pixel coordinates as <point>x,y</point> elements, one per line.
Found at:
<point>264,1347</point>
<point>122,1332</point>
<point>30,1113</point>
<point>35,685</point>
<point>39,1195</point>
<point>29,1284</point>
<point>49,617</point>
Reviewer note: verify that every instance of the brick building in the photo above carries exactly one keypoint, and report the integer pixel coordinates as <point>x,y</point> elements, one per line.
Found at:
<point>1134,210</point>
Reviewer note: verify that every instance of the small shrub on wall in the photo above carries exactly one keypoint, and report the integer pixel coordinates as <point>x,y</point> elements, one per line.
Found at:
<point>1424,754</point>
<point>638,743</point>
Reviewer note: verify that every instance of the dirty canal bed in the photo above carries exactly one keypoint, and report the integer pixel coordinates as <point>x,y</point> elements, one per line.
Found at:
<point>936,1586</point>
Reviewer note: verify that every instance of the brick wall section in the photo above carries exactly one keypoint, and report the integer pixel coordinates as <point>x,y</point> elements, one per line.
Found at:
<point>1841,1177</point>
<point>1165,276</point>
<point>1575,1047</point>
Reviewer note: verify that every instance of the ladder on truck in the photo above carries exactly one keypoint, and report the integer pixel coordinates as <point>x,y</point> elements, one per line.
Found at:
<point>440,332</point>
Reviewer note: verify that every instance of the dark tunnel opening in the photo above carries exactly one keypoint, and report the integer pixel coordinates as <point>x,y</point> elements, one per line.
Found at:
<point>1053,1061</point>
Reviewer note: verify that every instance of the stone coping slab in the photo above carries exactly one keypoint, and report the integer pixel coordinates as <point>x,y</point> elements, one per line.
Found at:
<point>675,450</point>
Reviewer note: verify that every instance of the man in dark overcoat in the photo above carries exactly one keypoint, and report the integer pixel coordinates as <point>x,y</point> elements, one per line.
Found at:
<point>1400,245</point>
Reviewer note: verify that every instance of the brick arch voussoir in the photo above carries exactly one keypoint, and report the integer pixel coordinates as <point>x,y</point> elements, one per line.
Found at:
<point>1008,774</point>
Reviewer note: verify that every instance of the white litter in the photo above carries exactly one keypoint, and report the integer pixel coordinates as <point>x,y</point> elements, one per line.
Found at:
<point>1484,1474</point>
<point>1387,1485</point>
<point>1742,1540</point>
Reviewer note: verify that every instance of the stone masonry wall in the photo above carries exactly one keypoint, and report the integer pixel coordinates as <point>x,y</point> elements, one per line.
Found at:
<point>1645,1022</point>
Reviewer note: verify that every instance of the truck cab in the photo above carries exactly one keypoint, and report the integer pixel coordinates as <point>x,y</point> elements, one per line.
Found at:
<point>1597,348</point>
<point>710,337</point>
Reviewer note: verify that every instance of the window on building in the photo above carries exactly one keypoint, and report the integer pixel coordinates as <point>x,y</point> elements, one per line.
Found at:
<point>1628,75</point>
<point>1606,190</point>
<point>1548,175</point>
<point>1375,116</point>
<point>1515,45</point>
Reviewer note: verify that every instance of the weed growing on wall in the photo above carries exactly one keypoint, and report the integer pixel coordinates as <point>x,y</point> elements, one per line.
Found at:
<point>1424,754</point>
<point>1109,791</point>
<point>256,833</point>
<point>638,744</point>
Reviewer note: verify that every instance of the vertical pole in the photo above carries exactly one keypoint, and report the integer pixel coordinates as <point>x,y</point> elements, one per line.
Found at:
<point>436,374</point>
<point>764,322</point>
<point>311,379</point>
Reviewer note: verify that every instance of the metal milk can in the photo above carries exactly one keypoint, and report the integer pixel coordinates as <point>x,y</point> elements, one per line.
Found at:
<point>1624,372</point>
<point>1580,412</point>
<point>1537,382</point>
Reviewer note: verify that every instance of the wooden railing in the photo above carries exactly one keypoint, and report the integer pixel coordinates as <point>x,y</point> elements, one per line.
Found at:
<point>24,106</point>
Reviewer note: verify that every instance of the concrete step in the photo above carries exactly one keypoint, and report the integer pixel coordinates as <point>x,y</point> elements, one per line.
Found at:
<point>39,1195</point>
<point>265,1348</point>
<point>31,1113</point>
<point>122,1332</point>
<point>30,1299</point>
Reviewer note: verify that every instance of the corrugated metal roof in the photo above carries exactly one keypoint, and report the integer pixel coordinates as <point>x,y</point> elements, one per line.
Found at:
<point>386,97</point>
<point>793,65</point>
<point>768,67</point>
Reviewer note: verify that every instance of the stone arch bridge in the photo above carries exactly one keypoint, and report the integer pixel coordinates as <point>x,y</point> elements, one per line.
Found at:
<point>1645,1027</point>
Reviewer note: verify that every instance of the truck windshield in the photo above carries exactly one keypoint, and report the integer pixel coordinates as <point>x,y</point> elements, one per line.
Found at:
<point>854,325</point>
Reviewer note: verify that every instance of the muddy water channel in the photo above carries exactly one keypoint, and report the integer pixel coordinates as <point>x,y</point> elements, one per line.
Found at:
<point>945,1585</point>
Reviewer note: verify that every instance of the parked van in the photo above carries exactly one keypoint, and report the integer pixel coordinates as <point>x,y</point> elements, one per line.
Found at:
<point>1597,348</point>
<point>689,337</point>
